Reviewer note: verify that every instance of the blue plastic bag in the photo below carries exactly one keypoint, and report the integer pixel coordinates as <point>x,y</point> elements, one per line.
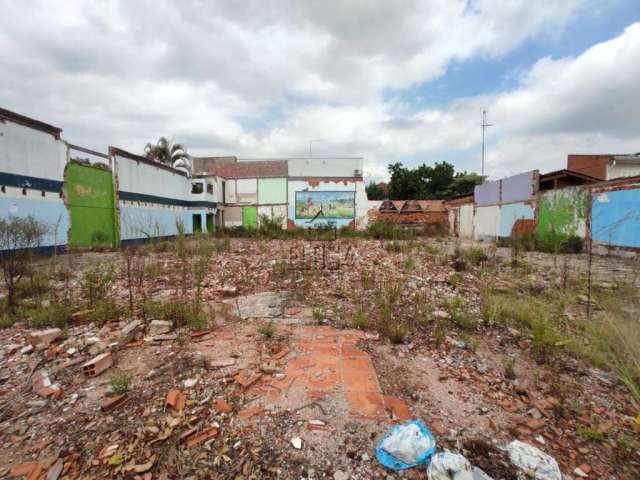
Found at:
<point>398,433</point>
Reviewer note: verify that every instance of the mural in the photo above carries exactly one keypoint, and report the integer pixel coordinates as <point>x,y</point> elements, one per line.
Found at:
<point>325,205</point>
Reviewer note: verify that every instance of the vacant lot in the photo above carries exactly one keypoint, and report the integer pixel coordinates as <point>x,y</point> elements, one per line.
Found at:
<point>226,355</point>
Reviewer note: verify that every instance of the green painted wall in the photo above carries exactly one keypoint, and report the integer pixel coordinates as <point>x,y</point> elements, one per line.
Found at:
<point>562,214</point>
<point>90,198</point>
<point>249,217</point>
<point>272,190</point>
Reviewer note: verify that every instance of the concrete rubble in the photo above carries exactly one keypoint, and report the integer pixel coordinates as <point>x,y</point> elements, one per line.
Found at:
<point>150,398</point>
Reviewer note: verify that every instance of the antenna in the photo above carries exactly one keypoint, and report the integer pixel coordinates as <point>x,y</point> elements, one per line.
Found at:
<point>484,125</point>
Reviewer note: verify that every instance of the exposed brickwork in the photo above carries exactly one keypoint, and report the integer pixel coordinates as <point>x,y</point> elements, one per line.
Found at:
<point>593,165</point>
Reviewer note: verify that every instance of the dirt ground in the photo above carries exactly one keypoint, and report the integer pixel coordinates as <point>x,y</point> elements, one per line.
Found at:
<point>291,376</point>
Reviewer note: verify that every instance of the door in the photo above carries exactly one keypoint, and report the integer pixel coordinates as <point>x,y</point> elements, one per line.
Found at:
<point>196,222</point>
<point>249,217</point>
<point>210,222</point>
<point>90,198</point>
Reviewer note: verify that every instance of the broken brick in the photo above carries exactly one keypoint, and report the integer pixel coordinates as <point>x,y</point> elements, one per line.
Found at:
<point>201,437</point>
<point>246,382</point>
<point>282,353</point>
<point>110,403</point>
<point>44,337</point>
<point>398,408</point>
<point>99,364</point>
<point>222,406</point>
<point>250,412</point>
<point>23,469</point>
<point>176,400</point>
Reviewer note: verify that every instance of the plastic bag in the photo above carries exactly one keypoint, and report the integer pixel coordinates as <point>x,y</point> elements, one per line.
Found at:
<point>533,461</point>
<point>406,445</point>
<point>449,466</point>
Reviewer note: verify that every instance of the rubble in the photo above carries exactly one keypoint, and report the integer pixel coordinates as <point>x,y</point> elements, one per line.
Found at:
<point>97,365</point>
<point>43,338</point>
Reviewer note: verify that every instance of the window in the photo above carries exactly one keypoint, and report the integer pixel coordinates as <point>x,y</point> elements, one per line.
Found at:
<point>210,188</point>
<point>197,187</point>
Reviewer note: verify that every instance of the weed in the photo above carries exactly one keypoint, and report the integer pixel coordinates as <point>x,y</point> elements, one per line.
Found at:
<point>456,309</point>
<point>509,371</point>
<point>439,333</point>
<point>6,320</point>
<point>409,264</point>
<point>397,331</point>
<point>393,247</point>
<point>454,279</point>
<point>589,433</point>
<point>53,315</point>
<point>318,315</point>
<point>104,311</point>
<point>474,255</point>
<point>268,329</point>
<point>155,270</point>
<point>96,282</point>
<point>471,342</point>
<point>120,382</point>
<point>432,249</point>
<point>359,319</point>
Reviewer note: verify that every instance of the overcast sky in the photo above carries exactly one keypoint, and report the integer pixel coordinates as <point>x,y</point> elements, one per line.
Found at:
<point>387,80</point>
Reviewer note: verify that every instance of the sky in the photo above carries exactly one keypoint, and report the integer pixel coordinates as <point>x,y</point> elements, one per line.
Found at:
<point>389,81</point>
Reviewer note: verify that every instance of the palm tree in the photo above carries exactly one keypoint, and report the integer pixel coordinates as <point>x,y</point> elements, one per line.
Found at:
<point>164,152</point>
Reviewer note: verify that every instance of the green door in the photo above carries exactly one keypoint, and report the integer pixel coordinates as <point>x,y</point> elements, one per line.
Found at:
<point>210,222</point>
<point>90,197</point>
<point>196,223</point>
<point>250,217</point>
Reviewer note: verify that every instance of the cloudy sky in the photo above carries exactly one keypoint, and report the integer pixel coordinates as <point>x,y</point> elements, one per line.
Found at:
<point>387,80</point>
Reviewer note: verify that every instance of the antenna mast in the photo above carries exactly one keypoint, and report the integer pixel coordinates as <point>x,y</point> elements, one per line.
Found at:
<point>484,125</point>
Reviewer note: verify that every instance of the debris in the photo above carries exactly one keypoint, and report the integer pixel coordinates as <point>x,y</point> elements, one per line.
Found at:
<point>453,466</point>
<point>202,437</point>
<point>141,468</point>
<point>533,461</point>
<point>55,470</point>
<point>43,386</point>
<point>99,364</point>
<point>297,443</point>
<point>26,349</point>
<point>159,327</point>
<point>340,475</point>
<point>110,403</point>
<point>190,382</point>
<point>43,338</point>
<point>250,412</point>
<point>406,445</point>
<point>176,400</point>
<point>225,362</point>
<point>245,381</point>
<point>581,473</point>
<point>222,406</point>
<point>129,330</point>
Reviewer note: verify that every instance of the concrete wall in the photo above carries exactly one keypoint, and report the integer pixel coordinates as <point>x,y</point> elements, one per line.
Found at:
<point>487,194</point>
<point>465,221</point>
<point>233,216</point>
<point>247,190</point>
<point>562,213</point>
<point>31,171</point>
<point>518,187</point>
<point>303,186</point>
<point>325,167</point>
<point>512,212</point>
<point>615,217</point>
<point>486,222</point>
<point>272,190</point>
<point>274,211</point>
<point>621,170</point>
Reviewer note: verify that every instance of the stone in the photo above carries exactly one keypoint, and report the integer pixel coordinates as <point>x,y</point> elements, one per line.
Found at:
<point>340,475</point>
<point>578,471</point>
<point>97,348</point>
<point>297,443</point>
<point>159,327</point>
<point>128,332</point>
<point>26,349</point>
<point>43,338</point>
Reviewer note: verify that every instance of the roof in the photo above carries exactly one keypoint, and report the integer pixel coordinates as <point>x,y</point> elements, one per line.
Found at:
<point>30,122</point>
<point>567,173</point>
<point>250,169</point>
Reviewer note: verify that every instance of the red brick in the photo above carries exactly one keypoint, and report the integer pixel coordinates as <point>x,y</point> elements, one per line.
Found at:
<point>201,437</point>
<point>250,412</point>
<point>113,402</point>
<point>99,364</point>
<point>245,381</point>
<point>23,469</point>
<point>222,406</point>
<point>398,408</point>
<point>176,400</point>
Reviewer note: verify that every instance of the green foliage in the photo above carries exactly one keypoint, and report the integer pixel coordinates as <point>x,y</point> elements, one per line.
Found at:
<point>360,319</point>
<point>456,309</point>
<point>105,310</point>
<point>393,247</point>
<point>120,382</point>
<point>155,270</point>
<point>164,152</point>
<point>179,312</point>
<point>589,433</point>
<point>53,315</point>
<point>6,320</point>
<point>270,226</point>
<point>96,282</point>
<point>474,255</point>
<point>267,329</point>
<point>409,264</point>
<point>426,182</point>
<point>375,191</point>
<point>388,231</point>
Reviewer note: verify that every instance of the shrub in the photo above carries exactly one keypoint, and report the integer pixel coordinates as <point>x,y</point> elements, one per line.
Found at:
<point>268,329</point>
<point>96,282</point>
<point>53,315</point>
<point>359,319</point>
<point>455,307</point>
<point>120,382</point>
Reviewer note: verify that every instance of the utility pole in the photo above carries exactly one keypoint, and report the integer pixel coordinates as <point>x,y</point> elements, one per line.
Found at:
<point>484,125</point>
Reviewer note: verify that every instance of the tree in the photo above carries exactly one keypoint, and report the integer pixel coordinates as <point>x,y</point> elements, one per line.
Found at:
<point>375,191</point>
<point>18,235</point>
<point>426,183</point>
<point>164,152</point>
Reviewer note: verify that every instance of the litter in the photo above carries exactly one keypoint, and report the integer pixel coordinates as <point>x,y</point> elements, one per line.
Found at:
<point>406,445</point>
<point>533,461</point>
<point>453,466</point>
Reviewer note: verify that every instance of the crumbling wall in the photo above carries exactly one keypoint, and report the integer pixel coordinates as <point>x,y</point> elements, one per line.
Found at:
<point>562,213</point>
<point>511,213</point>
<point>486,222</point>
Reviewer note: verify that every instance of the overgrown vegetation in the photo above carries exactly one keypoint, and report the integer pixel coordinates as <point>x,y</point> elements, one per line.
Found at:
<point>120,382</point>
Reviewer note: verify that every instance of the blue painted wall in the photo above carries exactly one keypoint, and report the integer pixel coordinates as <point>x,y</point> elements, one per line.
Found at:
<point>52,213</point>
<point>517,187</point>
<point>512,212</point>
<point>155,221</point>
<point>615,218</point>
<point>487,194</point>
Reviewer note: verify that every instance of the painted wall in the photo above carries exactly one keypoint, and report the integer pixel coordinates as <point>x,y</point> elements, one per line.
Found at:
<point>622,169</point>
<point>512,212</point>
<point>230,191</point>
<point>247,190</point>
<point>318,186</point>
<point>465,221</point>
<point>274,211</point>
<point>272,190</point>
<point>487,194</point>
<point>562,213</point>
<point>323,167</point>
<point>615,217</point>
<point>518,187</point>
<point>486,222</point>
<point>142,178</point>
<point>233,216</point>
<point>48,209</point>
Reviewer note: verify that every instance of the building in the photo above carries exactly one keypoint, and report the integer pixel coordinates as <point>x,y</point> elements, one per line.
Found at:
<point>605,167</point>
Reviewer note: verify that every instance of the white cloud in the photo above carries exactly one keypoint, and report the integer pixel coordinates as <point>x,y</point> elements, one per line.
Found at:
<point>259,78</point>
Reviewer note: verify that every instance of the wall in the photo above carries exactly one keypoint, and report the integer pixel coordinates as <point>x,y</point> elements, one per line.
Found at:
<point>622,169</point>
<point>487,194</point>
<point>465,221</point>
<point>274,211</point>
<point>512,212</point>
<point>319,186</point>
<point>562,213</point>
<point>486,222</point>
<point>593,165</point>
<point>615,216</point>
<point>233,216</point>
<point>247,190</point>
<point>32,171</point>
<point>272,190</point>
<point>325,167</point>
<point>518,187</point>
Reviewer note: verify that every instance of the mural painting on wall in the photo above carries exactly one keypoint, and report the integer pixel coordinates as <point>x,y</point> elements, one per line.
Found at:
<point>326,205</point>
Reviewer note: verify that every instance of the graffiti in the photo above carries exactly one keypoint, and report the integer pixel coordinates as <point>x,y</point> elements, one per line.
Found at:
<point>320,256</point>
<point>325,205</point>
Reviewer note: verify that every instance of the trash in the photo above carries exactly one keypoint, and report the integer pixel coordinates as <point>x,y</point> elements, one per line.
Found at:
<point>453,466</point>
<point>533,461</point>
<point>406,445</point>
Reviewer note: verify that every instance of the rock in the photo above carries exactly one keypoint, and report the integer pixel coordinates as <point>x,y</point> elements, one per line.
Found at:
<point>578,471</point>
<point>160,327</point>
<point>297,443</point>
<point>43,338</point>
<point>365,457</point>
<point>26,349</point>
<point>128,332</point>
<point>190,382</point>
<point>340,475</point>
<point>97,348</point>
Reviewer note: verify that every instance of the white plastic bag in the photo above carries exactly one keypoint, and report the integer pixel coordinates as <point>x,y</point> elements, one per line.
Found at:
<point>453,466</point>
<point>533,461</point>
<point>407,444</point>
